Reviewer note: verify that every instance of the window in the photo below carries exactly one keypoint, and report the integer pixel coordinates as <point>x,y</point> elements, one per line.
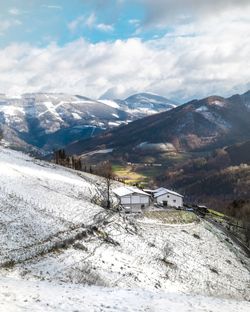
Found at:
<point>174,200</point>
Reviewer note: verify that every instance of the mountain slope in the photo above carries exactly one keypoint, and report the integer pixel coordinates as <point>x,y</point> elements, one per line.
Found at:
<point>146,104</point>
<point>48,121</point>
<point>51,231</point>
<point>198,125</point>
<point>239,153</point>
<point>45,121</point>
<point>215,179</point>
<point>41,205</point>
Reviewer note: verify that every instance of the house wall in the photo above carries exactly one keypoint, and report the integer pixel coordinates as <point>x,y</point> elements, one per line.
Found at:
<point>135,201</point>
<point>173,200</point>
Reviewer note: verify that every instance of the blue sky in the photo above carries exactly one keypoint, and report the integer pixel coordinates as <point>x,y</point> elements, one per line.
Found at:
<point>62,21</point>
<point>181,49</point>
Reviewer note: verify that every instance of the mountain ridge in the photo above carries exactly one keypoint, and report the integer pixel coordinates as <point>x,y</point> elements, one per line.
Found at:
<point>199,124</point>
<point>46,121</point>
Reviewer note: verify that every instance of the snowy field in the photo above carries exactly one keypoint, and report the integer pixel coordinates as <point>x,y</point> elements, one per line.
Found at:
<point>40,202</point>
<point>192,258</point>
<point>50,297</point>
<point>129,263</point>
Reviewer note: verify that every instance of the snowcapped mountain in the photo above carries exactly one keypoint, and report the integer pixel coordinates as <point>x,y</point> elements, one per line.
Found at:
<point>56,243</point>
<point>197,125</point>
<point>146,103</point>
<point>48,121</point>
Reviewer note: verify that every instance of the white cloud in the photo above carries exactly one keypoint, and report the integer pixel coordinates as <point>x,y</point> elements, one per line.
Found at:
<point>90,22</point>
<point>105,27</point>
<point>75,24</point>
<point>164,12</point>
<point>195,60</point>
<point>134,22</point>
<point>7,24</point>
<point>14,11</point>
<point>52,7</point>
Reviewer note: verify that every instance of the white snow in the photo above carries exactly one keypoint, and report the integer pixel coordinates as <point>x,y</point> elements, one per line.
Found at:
<point>218,103</point>
<point>151,255</point>
<point>11,110</point>
<point>76,116</point>
<point>213,117</point>
<point>202,109</point>
<point>19,295</point>
<point>110,103</point>
<point>114,123</point>
<point>51,108</point>
<point>102,151</point>
<point>36,195</point>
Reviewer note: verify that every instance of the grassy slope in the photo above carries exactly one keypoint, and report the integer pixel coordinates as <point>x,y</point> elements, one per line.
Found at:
<point>172,217</point>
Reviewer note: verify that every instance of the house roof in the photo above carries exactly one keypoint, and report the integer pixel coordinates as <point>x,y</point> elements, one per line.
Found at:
<point>128,190</point>
<point>162,191</point>
<point>154,191</point>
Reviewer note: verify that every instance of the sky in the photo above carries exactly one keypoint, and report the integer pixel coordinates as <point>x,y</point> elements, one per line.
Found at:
<point>181,49</point>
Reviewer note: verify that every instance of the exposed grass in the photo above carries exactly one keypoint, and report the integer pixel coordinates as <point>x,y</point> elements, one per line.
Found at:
<point>216,213</point>
<point>137,174</point>
<point>146,170</point>
<point>172,217</point>
<point>128,174</point>
<point>150,172</point>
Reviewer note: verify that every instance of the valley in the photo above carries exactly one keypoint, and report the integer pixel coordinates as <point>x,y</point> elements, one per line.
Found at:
<point>200,148</point>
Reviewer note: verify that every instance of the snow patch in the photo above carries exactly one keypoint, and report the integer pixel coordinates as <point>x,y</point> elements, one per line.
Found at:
<point>21,295</point>
<point>76,116</point>
<point>109,103</point>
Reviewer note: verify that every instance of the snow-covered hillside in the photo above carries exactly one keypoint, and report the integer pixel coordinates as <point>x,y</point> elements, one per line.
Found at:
<point>142,104</point>
<point>41,204</point>
<point>54,242</point>
<point>148,103</point>
<point>19,295</point>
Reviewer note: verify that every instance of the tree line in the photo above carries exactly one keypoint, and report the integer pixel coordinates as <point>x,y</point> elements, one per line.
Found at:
<point>74,162</point>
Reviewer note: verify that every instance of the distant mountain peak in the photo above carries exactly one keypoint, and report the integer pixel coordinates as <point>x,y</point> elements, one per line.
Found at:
<point>216,101</point>
<point>147,103</point>
<point>149,96</point>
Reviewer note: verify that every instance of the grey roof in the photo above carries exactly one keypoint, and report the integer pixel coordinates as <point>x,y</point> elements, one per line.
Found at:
<point>154,191</point>
<point>128,190</point>
<point>162,191</point>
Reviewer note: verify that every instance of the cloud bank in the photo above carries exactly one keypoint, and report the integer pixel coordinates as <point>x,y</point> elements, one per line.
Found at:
<point>163,12</point>
<point>195,59</point>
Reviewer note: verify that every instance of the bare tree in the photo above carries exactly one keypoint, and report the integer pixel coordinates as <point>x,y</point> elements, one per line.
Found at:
<point>105,170</point>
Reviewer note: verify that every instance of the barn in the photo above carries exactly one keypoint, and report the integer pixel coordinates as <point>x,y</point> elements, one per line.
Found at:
<point>132,198</point>
<point>166,197</point>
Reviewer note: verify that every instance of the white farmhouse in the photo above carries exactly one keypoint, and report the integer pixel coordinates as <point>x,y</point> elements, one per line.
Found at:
<point>167,197</point>
<point>132,198</point>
